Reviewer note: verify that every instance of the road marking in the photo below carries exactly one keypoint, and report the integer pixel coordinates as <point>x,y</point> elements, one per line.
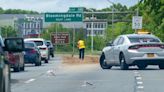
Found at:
<point>140,87</point>
<point>139,78</point>
<point>139,82</point>
<point>29,81</point>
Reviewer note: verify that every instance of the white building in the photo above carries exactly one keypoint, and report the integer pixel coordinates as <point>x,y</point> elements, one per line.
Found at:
<point>99,27</point>
<point>29,26</point>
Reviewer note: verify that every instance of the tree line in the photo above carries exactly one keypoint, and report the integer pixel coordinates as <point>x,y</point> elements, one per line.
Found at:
<point>16,11</point>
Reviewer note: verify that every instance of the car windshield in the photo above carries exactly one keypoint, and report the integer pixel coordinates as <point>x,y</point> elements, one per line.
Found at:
<point>39,43</point>
<point>142,39</point>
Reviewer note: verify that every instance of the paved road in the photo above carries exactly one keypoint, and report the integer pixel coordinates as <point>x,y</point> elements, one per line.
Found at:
<point>55,77</point>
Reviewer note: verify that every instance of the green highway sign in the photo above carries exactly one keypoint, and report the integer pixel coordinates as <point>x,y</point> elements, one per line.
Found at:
<point>63,17</point>
<point>76,9</point>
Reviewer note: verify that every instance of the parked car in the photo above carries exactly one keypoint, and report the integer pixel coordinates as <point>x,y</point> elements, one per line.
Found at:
<point>32,54</point>
<point>16,58</point>
<point>133,49</point>
<point>4,63</point>
<point>41,44</point>
<point>50,47</point>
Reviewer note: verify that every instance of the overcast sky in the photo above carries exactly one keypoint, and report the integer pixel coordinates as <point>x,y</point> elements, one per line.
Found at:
<point>59,5</point>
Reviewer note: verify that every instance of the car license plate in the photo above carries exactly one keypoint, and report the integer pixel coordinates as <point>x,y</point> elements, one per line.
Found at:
<point>150,55</point>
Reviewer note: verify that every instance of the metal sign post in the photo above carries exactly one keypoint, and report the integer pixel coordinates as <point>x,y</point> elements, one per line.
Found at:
<point>73,40</point>
<point>56,37</point>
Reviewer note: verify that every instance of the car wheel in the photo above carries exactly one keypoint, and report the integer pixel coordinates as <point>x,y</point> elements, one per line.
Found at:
<point>40,61</point>
<point>123,64</point>
<point>46,60</point>
<point>103,64</point>
<point>52,55</point>
<point>161,66</point>
<point>37,63</point>
<point>141,66</point>
<point>16,68</point>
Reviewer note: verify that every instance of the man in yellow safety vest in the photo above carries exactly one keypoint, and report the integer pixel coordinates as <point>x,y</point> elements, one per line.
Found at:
<point>81,47</point>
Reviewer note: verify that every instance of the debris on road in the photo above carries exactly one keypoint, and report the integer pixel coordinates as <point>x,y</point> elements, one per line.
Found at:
<point>75,60</point>
<point>87,83</point>
<point>51,73</point>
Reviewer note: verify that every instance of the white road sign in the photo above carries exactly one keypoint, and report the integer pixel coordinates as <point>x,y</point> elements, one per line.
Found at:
<point>137,22</point>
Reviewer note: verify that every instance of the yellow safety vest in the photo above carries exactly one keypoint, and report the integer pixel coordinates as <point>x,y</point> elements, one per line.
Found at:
<point>81,44</point>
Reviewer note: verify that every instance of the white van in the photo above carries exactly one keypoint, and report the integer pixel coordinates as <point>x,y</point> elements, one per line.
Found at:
<point>40,42</point>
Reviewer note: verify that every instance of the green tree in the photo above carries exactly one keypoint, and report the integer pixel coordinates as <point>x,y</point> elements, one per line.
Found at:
<point>8,31</point>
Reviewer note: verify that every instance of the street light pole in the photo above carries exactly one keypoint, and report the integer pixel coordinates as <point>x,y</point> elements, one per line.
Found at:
<point>137,14</point>
<point>112,18</point>
<point>112,21</point>
<point>92,33</point>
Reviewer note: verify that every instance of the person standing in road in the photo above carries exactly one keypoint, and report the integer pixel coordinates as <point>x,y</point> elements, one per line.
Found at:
<point>81,47</point>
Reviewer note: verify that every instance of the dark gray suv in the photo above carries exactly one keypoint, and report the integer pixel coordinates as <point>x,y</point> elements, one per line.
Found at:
<point>6,47</point>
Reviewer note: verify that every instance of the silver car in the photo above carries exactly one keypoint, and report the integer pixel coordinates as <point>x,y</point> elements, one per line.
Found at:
<point>133,49</point>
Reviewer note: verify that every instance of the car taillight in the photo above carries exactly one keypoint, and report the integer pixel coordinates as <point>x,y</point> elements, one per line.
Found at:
<point>32,51</point>
<point>43,48</point>
<point>134,47</point>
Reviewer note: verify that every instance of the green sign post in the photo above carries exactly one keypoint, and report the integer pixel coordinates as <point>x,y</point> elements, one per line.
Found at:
<point>63,17</point>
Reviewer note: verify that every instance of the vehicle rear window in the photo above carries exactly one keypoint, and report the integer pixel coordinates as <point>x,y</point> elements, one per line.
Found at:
<point>27,45</point>
<point>142,39</point>
<point>39,43</point>
<point>48,43</point>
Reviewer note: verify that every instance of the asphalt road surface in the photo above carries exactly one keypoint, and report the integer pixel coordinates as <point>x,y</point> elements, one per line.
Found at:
<point>56,77</point>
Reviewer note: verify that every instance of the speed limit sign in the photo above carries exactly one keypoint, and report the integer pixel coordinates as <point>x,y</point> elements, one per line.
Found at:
<point>137,22</point>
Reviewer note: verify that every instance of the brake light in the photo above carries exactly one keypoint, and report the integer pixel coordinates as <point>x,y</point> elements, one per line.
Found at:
<point>32,51</point>
<point>43,48</point>
<point>134,47</point>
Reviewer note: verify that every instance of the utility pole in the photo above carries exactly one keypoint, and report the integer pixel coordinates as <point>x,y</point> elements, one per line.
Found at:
<point>92,33</point>
<point>112,22</point>
<point>56,40</point>
<point>112,18</point>
<point>137,14</point>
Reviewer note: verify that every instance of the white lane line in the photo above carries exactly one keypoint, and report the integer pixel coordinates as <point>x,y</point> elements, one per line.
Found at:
<point>29,81</point>
<point>139,82</point>
<point>139,78</point>
<point>140,87</point>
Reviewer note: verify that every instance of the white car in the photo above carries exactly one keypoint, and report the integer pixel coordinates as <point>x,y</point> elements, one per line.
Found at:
<point>133,49</point>
<point>40,42</point>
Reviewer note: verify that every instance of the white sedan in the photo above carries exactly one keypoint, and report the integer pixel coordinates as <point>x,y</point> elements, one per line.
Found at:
<point>133,49</point>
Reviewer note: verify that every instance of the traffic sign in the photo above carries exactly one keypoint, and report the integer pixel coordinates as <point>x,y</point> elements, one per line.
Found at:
<point>60,38</point>
<point>63,17</point>
<point>137,22</point>
<point>76,9</point>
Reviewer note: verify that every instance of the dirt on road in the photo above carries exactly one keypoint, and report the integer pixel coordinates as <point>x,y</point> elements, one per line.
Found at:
<point>89,59</point>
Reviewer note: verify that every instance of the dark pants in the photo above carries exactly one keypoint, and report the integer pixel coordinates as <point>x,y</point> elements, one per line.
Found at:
<point>81,53</point>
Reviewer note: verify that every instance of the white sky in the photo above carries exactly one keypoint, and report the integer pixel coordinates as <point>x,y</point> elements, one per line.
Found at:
<point>60,5</point>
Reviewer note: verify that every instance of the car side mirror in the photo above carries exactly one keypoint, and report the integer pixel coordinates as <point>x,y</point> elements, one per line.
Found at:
<point>14,44</point>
